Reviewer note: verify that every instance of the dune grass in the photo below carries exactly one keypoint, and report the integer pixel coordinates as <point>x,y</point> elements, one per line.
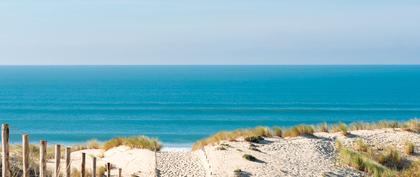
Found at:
<point>323,127</point>
<point>300,130</point>
<point>277,131</point>
<point>361,146</point>
<point>412,125</point>
<point>341,127</point>
<point>305,130</point>
<point>391,158</point>
<point>363,163</point>
<point>141,142</point>
<point>409,148</point>
<point>412,171</point>
<point>233,135</point>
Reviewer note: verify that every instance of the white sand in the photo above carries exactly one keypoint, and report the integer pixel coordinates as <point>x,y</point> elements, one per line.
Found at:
<point>300,156</point>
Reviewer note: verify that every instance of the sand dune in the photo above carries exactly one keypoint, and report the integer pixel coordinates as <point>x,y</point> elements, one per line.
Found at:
<point>299,156</point>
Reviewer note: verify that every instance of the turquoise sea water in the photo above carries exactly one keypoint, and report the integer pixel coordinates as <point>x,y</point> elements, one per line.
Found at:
<point>181,104</point>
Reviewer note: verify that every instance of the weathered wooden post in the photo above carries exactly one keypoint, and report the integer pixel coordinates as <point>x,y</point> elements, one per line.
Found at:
<point>5,150</point>
<point>108,169</point>
<point>57,160</point>
<point>82,168</point>
<point>25,154</point>
<point>119,172</point>
<point>43,159</point>
<point>94,167</point>
<point>68,161</point>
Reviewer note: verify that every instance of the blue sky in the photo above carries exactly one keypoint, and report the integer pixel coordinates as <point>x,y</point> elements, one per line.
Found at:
<point>47,32</point>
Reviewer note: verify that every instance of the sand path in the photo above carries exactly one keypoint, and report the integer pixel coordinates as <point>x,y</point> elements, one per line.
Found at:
<point>183,164</point>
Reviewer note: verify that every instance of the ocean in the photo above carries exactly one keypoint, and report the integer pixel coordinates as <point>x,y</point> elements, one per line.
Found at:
<point>182,104</point>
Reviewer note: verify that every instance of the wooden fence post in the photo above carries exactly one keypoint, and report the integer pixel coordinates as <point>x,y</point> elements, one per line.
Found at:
<point>42,159</point>
<point>57,160</point>
<point>5,150</point>
<point>119,172</point>
<point>94,167</point>
<point>25,155</point>
<point>108,169</point>
<point>68,161</point>
<point>82,168</point>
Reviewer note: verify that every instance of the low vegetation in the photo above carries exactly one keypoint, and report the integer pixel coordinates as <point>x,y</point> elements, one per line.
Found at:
<point>361,146</point>
<point>254,139</point>
<point>233,135</point>
<point>323,127</point>
<point>141,142</point>
<point>304,130</point>
<point>391,158</point>
<point>342,128</point>
<point>409,148</point>
<point>277,131</point>
<point>249,157</point>
<point>363,163</point>
<point>300,130</point>
<point>380,162</point>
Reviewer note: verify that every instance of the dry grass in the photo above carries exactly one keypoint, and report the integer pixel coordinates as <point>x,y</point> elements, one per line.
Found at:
<point>141,142</point>
<point>409,148</point>
<point>341,128</point>
<point>412,171</point>
<point>412,125</point>
<point>391,158</point>
<point>363,163</point>
<point>277,132</point>
<point>233,135</point>
<point>303,130</point>
<point>323,127</point>
<point>360,145</point>
<point>300,130</point>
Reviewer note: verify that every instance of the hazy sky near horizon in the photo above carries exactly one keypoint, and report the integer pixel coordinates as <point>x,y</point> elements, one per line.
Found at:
<point>77,32</point>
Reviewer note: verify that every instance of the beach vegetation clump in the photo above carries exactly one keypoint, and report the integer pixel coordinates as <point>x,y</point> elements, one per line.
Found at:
<point>363,163</point>
<point>323,127</point>
<point>391,158</point>
<point>359,126</point>
<point>341,127</point>
<point>300,130</point>
<point>409,148</point>
<point>93,144</point>
<point>260,131</point>
<point>277,131</point>
<point>141,142</point>
<point>412,171</point>
<point>412,125</point>
<point>101,171</point>
<point>360,145</point>
<point>237,172</point>
<point>249,157</point>
<point>233,135</point>
<point>254,139</point>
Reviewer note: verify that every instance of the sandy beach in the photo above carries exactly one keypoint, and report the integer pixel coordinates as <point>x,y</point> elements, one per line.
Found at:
<point>297,156</point>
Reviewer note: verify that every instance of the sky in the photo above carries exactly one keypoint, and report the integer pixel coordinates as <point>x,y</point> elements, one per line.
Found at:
<point>209,32</point>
